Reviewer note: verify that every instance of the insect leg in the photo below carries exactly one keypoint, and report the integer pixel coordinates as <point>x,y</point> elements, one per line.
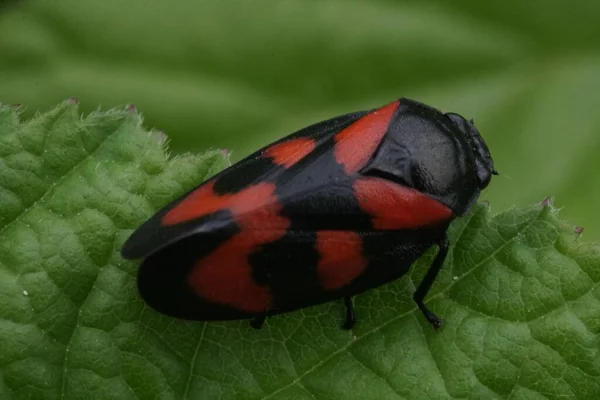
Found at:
<point>257,322</point>
<point>350,316</point>
<point>426,283</point>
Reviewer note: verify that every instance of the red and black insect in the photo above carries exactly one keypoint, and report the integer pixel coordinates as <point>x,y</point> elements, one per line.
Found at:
<point>325,213</point>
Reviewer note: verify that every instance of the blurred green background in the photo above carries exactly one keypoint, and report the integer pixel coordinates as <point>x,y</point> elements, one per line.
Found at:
<point>238,74</point>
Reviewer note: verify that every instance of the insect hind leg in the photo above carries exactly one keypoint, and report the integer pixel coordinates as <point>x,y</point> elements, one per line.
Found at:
<point>426,283</point>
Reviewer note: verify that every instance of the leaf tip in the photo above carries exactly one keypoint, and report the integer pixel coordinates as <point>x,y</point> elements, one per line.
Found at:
<point>160,137</point>
<point>73,101</point>
<point>547,202</point>
<point>131,108</point>
<point>578,230</point>
<point>226,153</point>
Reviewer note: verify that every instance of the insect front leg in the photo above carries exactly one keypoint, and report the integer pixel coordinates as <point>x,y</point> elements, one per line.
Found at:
<point>426,283</point>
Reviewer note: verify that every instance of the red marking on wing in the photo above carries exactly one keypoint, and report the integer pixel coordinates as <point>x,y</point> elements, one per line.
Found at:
<point>393,206</point>
<point>289,153</point>
<point>205,201</point>
<point>225,275</point>
<point>201,202</point>
<point>356,144</point>
<point>341,258</point>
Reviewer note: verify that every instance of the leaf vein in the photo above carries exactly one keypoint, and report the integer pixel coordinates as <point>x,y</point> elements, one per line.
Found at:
<point>193,362</point>
<point>376,373</point>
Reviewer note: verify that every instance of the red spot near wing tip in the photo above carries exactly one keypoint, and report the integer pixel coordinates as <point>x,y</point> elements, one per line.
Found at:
<point>393,206</point>
<point>341,259</point>
<point>356,144</point>
<point>204,201</point>
<point>290,152</point>
<point>200,202</point>
<point>225,275</point>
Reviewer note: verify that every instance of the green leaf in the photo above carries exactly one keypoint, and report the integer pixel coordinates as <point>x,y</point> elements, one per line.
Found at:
<point>71,190</point>
<point>520,293</point>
